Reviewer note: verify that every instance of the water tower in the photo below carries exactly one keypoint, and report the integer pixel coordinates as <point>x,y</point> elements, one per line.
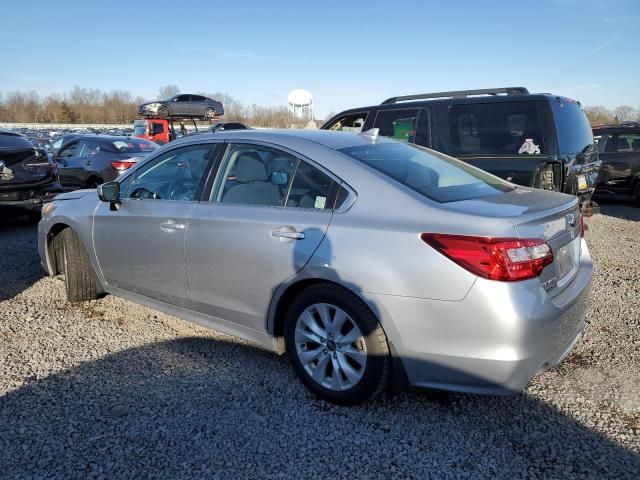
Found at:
<point>300,104</point>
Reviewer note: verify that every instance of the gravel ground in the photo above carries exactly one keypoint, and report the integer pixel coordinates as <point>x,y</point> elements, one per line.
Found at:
<point>114,390</point>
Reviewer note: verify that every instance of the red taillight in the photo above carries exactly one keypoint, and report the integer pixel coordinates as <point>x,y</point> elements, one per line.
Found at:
<point>504,259</point>
<point>122,165</point>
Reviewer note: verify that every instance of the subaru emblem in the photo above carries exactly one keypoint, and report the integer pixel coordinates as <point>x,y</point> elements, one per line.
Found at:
<point>571,220</point>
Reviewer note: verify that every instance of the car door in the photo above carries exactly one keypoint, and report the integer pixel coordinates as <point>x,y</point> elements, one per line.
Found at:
<point>181,105</point>
<point>140,244</point>
<point>68,164</point>
<point>267,213</point>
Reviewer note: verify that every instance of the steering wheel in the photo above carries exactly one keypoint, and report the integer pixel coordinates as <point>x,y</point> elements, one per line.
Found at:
<point>142,192</point>
<point>182,189</point>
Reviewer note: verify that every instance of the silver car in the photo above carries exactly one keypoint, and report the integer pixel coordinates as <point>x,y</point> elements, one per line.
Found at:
<point>368,261</point>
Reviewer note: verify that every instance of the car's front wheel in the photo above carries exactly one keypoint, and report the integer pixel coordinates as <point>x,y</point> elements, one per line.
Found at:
<point>336,345</point>
<point>163,111</point>
<point>79,278</point>
<point>209,112</point>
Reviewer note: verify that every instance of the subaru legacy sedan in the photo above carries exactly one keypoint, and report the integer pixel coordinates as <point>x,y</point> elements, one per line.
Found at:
<point>368,261</point>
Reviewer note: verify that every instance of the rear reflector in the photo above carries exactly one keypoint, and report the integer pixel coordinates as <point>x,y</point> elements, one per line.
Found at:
<point>504,259</point>
<point>122,165</point>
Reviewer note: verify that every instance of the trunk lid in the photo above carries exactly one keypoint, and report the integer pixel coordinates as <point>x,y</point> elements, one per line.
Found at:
<point>554,217</point>
<point>24,165</point>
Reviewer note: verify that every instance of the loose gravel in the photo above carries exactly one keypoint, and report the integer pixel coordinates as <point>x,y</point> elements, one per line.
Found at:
<point>112,390</point>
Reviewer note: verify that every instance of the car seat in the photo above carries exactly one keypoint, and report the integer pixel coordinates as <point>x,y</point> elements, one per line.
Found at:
<point>253,186</point>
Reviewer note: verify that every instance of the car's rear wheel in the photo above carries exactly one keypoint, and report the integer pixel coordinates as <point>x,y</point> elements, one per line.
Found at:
<point>336,345</point>
<point>163,111</point>
<point>209,113</point>
<point>79,278</point>
<point>636,194</point>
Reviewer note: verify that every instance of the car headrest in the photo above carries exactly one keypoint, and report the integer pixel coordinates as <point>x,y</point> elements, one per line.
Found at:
<point>249,169</point>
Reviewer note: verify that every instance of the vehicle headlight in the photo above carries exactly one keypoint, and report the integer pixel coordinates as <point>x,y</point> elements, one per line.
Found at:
<point>47,208</point>
<point>152,106</point>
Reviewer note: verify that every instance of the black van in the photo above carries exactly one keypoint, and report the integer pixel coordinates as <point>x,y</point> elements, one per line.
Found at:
<point>536,140</point>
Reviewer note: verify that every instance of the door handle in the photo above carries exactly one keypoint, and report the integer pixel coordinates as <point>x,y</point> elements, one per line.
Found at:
<point>286,233</point>
<point>172,225</point>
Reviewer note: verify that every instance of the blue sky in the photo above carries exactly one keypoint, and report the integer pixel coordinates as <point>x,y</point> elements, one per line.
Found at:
<point>346,53</point>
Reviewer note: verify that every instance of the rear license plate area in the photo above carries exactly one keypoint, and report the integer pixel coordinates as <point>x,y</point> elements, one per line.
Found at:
<point>567,258</point>
<point>582,182</point>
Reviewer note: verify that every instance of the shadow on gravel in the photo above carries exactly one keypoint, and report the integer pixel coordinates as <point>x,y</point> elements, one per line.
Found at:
<point>625,210</point>
<point>197,407</point>
<point>19,260</point>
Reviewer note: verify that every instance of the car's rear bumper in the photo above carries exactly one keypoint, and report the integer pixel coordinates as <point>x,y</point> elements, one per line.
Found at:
<point>28,198</point>
<point>494,340</point>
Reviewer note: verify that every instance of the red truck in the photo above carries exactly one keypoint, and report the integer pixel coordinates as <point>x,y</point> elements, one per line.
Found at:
<point>157,130</point>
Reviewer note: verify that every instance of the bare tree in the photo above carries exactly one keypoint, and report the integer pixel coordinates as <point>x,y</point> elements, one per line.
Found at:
<point>599,115</point>
<point>624,113</point>
<point>168,91</point>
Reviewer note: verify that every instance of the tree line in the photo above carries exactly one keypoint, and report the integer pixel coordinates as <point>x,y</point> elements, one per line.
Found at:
<point>86,105</point>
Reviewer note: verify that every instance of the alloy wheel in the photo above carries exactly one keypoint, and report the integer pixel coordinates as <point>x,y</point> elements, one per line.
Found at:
<point>330,347</point>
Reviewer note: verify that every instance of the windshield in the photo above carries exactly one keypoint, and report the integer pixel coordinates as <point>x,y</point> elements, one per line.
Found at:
<point>432,174</point>
<point>133,146</point>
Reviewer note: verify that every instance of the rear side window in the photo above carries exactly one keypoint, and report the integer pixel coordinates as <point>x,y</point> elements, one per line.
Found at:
<point>10,140</point>
<point>352,122</point>
<point>574,130</point>
<point>258,175</point>
<point>490,129</point>
<point>618,142</point>
<point>432,174</point>
<point>398,124</point>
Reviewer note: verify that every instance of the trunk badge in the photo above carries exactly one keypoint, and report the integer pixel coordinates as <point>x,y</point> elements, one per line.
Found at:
<point>571,220</point>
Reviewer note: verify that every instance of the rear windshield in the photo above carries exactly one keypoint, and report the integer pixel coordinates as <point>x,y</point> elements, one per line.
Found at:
<point>139,130</point>
<point>11,140</point>
<point>574,131</point>
<point>129,146</point>
<point>501,128</point>
<point>432,174</point>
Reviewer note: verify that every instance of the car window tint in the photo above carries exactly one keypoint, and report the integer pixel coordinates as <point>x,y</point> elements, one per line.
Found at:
<point>11,140</point>
<point>574,130</point>
<point>398,124</point>
<point>175,175</point>
<point>87,148</point>
<point>69,151</point>
<point>506,128</point>
<point>254,175</point>
<point>432,174</point>
<point>311,188</point>
<point>349,123</point>
<point>619,143</point>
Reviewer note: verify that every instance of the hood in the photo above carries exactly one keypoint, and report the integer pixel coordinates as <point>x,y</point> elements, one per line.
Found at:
<point>74,195</point>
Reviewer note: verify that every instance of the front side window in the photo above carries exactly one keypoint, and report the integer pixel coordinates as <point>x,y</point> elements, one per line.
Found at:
<point>69,151</point>
<point>88,148</point>
<point>574,130</point>
<point>175,175</point>
<point>432,174</point>
<point>493,129</point>
<point>349,123</point>
<point>257,175</point>
<point>398,124</point>
<point>618,142</point>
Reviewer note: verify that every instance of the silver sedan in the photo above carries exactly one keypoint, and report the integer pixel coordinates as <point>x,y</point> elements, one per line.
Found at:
<point>368,261</point>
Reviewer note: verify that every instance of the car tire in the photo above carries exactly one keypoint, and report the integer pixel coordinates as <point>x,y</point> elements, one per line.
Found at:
<point>209,113</point>
<point>344,373</point>
<point>93,182</point>
<point>636,194</point>
<point>163,111</point>
<point>79,278</point>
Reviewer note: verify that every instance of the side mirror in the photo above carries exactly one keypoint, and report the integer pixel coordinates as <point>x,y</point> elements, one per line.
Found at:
<point>109,192</point>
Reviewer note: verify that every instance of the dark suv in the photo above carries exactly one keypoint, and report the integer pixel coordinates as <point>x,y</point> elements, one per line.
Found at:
<point>536,140</point>
<point>619,147</point>
<point>28,178</point>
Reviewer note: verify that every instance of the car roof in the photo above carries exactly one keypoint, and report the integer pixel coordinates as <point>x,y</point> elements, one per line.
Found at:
<point>107,138</point>
<point>454,100</point>
<point>327,138</point>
